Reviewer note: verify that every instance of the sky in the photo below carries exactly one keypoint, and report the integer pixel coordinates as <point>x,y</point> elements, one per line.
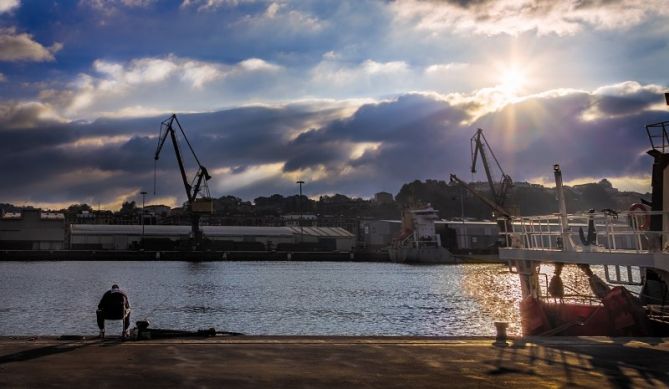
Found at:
<point>352,97</point>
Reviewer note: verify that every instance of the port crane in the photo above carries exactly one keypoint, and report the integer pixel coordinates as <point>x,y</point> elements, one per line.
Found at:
<point>196,206</point>
<point>479,144</point>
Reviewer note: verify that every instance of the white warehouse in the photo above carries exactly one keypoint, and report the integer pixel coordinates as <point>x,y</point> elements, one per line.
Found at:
<point>124,237</point>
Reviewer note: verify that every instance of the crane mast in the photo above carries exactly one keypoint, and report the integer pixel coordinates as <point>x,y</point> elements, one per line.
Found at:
<point>477,148</point>
<point>196,206</point>
<point>479,144</point>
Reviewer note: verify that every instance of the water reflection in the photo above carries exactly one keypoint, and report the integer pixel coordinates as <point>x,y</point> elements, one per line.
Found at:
<point>272,298</point>
<point>496,292</point>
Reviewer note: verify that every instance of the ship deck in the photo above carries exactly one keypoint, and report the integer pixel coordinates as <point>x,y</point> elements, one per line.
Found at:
<point>334,362</point>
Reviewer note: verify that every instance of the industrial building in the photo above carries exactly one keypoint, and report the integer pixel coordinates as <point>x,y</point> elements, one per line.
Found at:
<point>165,237</point>
<point>32,229</point>
<point>38,230</point>
<point>456,235</point>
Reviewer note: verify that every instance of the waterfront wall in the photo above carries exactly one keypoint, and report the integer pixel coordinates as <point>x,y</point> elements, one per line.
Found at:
<point>132,255</point>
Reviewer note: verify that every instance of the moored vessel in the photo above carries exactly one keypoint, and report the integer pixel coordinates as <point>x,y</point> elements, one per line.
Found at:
<point>418,241</point>
<point>622,257</point>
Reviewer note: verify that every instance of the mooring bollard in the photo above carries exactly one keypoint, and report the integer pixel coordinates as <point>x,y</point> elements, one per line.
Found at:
<point>501,338</point>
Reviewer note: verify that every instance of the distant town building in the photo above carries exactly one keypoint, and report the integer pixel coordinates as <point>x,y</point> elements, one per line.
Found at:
<point>92,217</point>
<point>383,198</point>
<point>159,211</point>
<point>295,220</point>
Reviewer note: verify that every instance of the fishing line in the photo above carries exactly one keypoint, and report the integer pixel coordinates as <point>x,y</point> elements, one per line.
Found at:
<point>157,306</point>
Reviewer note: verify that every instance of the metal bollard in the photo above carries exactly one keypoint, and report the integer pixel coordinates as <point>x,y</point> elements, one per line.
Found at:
<point>501,327</point>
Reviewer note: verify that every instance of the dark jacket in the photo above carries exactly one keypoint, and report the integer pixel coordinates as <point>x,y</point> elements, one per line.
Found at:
<point>114,304</point>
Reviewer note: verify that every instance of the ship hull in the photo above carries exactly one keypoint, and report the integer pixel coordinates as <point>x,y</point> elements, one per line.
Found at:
<point>620,314</point>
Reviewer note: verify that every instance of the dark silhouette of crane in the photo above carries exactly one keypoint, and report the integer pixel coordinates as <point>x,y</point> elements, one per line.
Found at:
<point>479,146</point>
<point>196,206</point>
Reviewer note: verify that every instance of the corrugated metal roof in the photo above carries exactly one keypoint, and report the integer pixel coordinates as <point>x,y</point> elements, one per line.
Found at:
<point>444,221</point>
<point>244,231</point>
<point>325,232</point>
<point>212,231</point>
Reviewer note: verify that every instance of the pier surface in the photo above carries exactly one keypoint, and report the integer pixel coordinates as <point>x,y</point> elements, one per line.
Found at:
<point>334,362</point>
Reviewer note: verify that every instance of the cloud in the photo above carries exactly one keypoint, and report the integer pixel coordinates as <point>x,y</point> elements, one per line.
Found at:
<point>622,99</point>
<point>264,19</point>
<point>102,4</point>
<point>28,114</point>
<point>440,69</point>
<point>117,87</point>
<point>63,161</point>
<point>204,5</point>
<point>297,20</point>
<point>21,47</point>
<point>334,74</point>
<point>106,11</point>
<point>9,5</point>
<point>256,64</point>
<point>110,6</point>
<point>513,17</point>
<point>173,83</point>
<point>356,149</point>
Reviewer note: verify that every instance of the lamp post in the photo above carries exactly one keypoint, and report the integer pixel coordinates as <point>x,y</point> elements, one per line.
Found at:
<point>462,216</point>
<point>143,193</point>
<point>299,207</point>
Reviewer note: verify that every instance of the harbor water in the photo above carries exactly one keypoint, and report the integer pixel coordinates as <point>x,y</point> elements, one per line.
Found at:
<point>263,298</point>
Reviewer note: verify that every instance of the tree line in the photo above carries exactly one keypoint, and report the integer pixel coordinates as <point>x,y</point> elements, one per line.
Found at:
<point>451,200</point>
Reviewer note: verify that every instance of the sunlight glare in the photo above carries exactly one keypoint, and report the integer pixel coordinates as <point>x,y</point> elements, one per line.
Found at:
<point>513,80</point>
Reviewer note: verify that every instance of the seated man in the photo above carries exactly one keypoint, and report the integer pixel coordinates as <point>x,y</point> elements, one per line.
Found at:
<point>114,305</point>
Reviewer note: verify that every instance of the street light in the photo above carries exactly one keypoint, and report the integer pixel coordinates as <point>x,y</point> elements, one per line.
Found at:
<point>462,216</point>
<point>299,207</point>
<point>143,193</point>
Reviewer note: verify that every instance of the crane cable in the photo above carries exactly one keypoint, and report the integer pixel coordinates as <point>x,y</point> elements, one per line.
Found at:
<point>155,168</point>
<point>187,141</point>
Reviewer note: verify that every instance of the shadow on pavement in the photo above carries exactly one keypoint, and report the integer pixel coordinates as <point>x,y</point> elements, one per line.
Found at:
<point>40,352</point>
<point>620,361</point>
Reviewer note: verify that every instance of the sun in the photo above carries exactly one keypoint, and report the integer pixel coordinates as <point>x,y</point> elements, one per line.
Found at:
<point>512,80</point>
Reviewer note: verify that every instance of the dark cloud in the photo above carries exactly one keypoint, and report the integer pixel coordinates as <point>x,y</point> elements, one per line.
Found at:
<point>623,105</point>
<point>555,130</point>
<point>411,137</point>
<point>463,3</point>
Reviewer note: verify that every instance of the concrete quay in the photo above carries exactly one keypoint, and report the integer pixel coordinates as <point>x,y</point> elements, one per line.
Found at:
<point>136,255</point>
<point>334,362</point>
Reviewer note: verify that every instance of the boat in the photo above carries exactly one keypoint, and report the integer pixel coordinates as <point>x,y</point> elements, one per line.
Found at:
<point>418,241</point>
<point>622,257</point>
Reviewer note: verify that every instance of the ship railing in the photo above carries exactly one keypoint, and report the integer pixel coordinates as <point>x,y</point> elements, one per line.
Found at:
<point>657,134</point>
<point>413,241</point>
<point>658,312</point>
<point>410,238</point>
<point>594,232</point>
<point>574,297</point>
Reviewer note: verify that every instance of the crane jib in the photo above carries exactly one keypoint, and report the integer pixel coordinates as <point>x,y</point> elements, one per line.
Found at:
<point>199,183</point>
